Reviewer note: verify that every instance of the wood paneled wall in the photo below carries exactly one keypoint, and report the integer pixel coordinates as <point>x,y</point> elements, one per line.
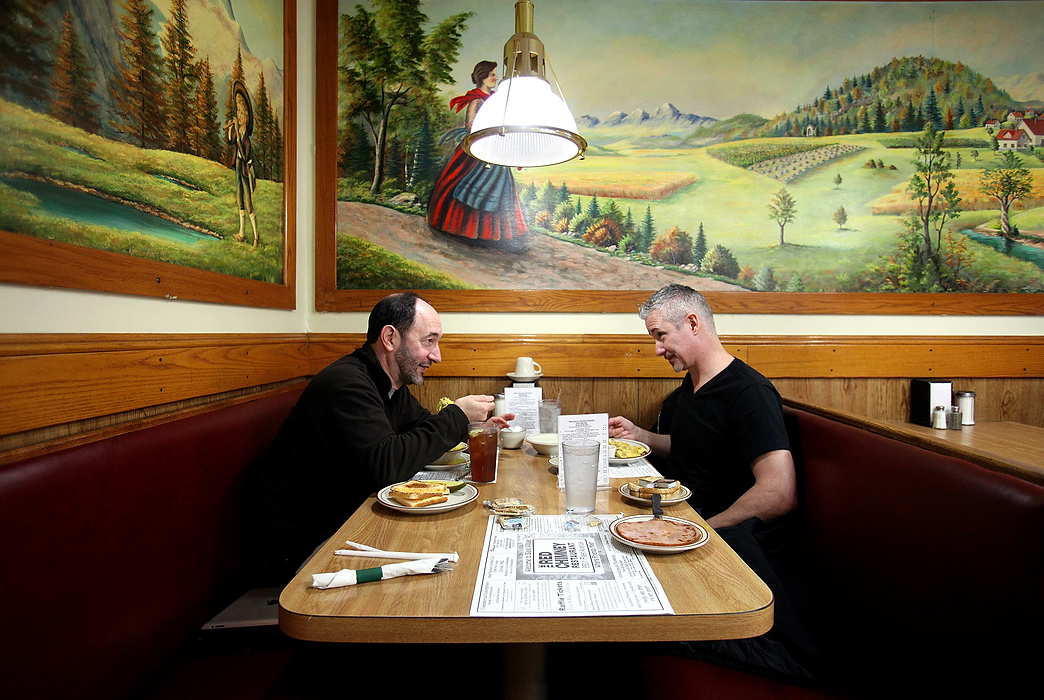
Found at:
<point>58,387</point>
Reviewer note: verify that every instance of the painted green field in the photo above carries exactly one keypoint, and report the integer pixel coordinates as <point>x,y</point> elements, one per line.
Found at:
<point>731,204</point>
<point>46,149</point>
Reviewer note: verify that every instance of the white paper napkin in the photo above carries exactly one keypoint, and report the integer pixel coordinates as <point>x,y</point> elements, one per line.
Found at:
<point>351,577</point>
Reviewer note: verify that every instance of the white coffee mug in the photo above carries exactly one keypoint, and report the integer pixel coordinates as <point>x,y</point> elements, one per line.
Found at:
<point>525,367</point>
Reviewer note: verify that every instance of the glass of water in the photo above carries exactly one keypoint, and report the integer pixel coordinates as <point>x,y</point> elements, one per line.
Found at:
<point>580,461</point>
<point>549,411</point>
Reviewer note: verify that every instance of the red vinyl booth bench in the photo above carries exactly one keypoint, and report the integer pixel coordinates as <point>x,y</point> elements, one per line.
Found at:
<point>114,553</point>
<point>929,576</point>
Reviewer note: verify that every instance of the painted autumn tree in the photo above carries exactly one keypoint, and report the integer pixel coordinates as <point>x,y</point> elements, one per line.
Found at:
<point>674,247</point>
<point>71,84</point>
<point>179,62</point>
<point>1006,183</point>
<point>782,209</point>
<point>387,64</point>
<point>137,86</point>
<point>841,217</point>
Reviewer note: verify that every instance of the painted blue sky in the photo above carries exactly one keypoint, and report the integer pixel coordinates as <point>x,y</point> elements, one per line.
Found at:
<point>719,59</point>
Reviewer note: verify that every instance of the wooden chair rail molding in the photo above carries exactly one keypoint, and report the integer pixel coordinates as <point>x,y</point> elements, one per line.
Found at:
<point>467,355</point>
<point>51,380</point>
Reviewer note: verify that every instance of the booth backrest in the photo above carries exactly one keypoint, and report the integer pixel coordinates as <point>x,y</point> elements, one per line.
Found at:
<point>931,568</point>
<point>114,552</point>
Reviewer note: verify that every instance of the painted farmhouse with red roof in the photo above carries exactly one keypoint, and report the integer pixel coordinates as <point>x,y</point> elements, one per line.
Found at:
<point>1012,140</point>
<point>1034,129</point>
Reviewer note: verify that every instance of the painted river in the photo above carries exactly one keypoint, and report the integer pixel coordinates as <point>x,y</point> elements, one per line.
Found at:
<point>86,208</point>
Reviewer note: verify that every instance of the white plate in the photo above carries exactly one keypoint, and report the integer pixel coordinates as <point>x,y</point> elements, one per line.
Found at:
<point>463,464</point>
<point>456,499</point>
<point>553,461</point>
<point>683,493</point>
<point>658,549</point>
<point>628,460</point>
<point>518,378</point>
<point>450,456</point>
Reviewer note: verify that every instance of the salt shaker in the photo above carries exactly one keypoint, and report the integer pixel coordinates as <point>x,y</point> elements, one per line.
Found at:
<point>499,405</point>
<point>966,402</point>
<point>939,418</point>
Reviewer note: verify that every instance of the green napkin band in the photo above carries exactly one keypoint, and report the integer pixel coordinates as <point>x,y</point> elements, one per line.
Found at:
<point>366,575</point>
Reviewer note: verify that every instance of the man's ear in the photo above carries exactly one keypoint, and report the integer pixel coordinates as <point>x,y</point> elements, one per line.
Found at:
<point>389,338</point>
<point>693,321</point>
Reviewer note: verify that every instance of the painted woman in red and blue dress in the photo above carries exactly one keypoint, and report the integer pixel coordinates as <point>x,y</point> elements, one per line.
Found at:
<point>473,199</point>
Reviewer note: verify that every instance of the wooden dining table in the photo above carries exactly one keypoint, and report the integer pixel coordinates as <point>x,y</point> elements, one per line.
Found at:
<point>713,593</point>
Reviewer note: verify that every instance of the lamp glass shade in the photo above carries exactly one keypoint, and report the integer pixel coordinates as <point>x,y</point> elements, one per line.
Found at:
<point>524,124</point>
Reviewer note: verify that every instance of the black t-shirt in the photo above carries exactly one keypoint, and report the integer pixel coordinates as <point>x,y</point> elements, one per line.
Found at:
<point>719,430</point>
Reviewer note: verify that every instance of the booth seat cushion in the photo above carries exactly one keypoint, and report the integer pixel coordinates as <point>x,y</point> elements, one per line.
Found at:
<point>929,567</point>
<point>926,576</point>
<point>115,552</point>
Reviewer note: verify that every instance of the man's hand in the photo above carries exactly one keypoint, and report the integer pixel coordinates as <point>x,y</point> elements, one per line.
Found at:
<point>620,427</point>
<point>502,419</point>
<point>476,407</point>
<point>624,429</point>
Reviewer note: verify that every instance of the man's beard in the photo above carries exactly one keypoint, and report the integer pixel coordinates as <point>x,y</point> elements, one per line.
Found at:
<point>409,371</point>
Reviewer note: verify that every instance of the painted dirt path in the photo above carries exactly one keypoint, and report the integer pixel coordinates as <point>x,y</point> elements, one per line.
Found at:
<point>548,263</point>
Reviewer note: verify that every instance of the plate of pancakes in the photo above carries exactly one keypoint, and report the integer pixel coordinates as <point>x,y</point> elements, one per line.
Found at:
<point>664,535</point>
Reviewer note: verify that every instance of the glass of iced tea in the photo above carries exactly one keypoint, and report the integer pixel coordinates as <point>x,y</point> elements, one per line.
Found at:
<point>482,447</point>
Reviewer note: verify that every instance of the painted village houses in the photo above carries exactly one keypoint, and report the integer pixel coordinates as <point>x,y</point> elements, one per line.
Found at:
<point>1012,140</point>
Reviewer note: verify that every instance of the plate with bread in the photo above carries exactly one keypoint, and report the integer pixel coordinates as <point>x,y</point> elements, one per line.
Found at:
<point>641,489</point>
<point>627,451</point>
<point>427,497</point>
<point>663,535</point>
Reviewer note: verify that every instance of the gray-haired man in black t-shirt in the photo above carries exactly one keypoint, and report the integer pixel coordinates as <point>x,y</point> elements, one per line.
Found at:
<point>726,440</point>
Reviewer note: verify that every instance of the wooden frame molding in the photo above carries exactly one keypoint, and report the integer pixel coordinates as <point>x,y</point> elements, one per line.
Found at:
<point>41,262</point>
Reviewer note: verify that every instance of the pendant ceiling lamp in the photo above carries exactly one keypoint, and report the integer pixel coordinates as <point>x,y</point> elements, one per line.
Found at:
<point>524,123</point>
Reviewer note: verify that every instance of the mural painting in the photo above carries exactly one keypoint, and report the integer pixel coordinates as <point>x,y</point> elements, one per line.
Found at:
<point>153,130</point>
<point>734,146</point>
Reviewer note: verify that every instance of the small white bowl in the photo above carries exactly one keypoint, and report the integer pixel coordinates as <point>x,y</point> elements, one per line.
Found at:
<point>544,443</point>
<point>453,456</point>
<point>512,438</point>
